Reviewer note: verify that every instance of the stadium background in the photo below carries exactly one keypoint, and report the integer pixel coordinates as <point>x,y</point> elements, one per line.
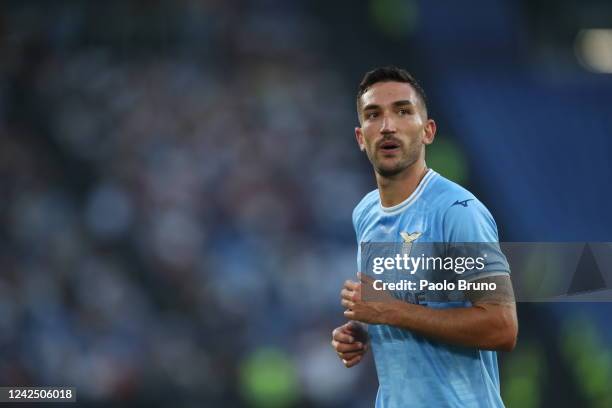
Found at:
<point>177,180</point>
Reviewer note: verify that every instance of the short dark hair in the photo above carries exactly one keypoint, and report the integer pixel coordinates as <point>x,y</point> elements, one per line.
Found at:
<point>389,74</point>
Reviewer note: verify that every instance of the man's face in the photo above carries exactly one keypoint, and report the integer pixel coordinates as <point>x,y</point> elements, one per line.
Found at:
<point>394,127</point>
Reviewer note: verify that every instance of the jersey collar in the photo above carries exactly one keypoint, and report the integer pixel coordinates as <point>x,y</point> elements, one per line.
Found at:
<point>412,198</point>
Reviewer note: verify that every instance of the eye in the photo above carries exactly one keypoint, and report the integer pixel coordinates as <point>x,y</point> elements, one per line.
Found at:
<point>403,112</point>
<point>371,115</point>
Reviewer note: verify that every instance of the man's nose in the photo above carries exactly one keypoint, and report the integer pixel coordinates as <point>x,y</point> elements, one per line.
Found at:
<point>387,125</point>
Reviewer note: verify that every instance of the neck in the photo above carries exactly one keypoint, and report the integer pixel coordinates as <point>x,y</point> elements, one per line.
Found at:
<point>395,189</point>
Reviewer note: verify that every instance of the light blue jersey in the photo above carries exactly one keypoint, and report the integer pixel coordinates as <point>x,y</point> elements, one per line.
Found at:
<point>414,371</point>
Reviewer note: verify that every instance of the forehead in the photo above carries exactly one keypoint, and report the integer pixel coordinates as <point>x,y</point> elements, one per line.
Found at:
<point>386,93</point>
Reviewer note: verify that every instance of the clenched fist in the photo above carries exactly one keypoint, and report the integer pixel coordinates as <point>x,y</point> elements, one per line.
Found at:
<point>350,341</point>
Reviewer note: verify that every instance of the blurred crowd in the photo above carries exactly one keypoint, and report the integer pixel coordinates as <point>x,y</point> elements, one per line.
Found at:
<point>175,226</point>
<point>177,181</point>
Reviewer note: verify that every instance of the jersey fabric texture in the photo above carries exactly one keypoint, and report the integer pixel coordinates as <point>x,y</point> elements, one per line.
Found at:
<point>414,371</point>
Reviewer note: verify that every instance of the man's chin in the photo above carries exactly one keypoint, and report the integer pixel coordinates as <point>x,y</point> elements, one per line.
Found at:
<point>389,171</point>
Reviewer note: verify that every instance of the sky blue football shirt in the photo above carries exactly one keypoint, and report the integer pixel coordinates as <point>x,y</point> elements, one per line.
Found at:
<point>414,371</point>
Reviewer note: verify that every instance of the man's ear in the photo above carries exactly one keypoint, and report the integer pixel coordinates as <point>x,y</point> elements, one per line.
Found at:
<point>359,138</point>
<point>430,132</point>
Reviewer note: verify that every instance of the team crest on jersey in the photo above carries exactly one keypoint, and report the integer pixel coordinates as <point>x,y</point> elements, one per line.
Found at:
<point>410,237</point>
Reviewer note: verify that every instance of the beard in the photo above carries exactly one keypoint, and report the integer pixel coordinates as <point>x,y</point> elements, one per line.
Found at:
<point>389,168</point>
<point>391,171</point>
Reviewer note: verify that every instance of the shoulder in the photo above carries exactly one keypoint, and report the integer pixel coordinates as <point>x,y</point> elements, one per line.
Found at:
<point>364,207</point>
<point>446,194</point>
<point>449,197</point>
<point>464,216</point>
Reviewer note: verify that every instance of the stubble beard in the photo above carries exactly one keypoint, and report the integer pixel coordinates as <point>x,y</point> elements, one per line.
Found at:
<point>389,171</point>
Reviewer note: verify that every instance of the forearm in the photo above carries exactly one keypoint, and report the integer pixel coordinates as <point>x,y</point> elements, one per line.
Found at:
<point>492,327</point>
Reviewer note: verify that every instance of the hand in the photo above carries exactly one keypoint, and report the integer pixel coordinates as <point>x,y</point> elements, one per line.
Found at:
<point>350,341</point>
<point>372,312</point>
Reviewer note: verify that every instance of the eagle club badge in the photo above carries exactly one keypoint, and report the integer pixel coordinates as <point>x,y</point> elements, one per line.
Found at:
<point>407,240</point>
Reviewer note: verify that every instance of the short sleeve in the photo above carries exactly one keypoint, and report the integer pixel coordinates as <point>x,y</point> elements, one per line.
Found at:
<point>469,230</point>
<point>469,221</point>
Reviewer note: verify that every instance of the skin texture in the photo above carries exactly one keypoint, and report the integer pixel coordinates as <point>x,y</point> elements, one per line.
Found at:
<point>490,323</point>
<point>350,341</point>
<point>393,113</point>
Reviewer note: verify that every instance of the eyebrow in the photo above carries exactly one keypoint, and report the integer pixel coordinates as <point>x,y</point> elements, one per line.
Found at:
<point>402,102</point>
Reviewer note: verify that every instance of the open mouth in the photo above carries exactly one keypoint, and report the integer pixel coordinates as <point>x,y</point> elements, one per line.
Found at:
<point>389,146</point>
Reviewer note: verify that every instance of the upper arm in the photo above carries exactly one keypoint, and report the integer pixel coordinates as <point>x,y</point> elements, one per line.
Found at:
<point>492,290</point>
<point>470,231</point>
<point>469,223</point>
<point>500,306</point>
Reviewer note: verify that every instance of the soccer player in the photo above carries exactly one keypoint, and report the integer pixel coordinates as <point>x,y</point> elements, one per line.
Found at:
<point>426,355</point>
